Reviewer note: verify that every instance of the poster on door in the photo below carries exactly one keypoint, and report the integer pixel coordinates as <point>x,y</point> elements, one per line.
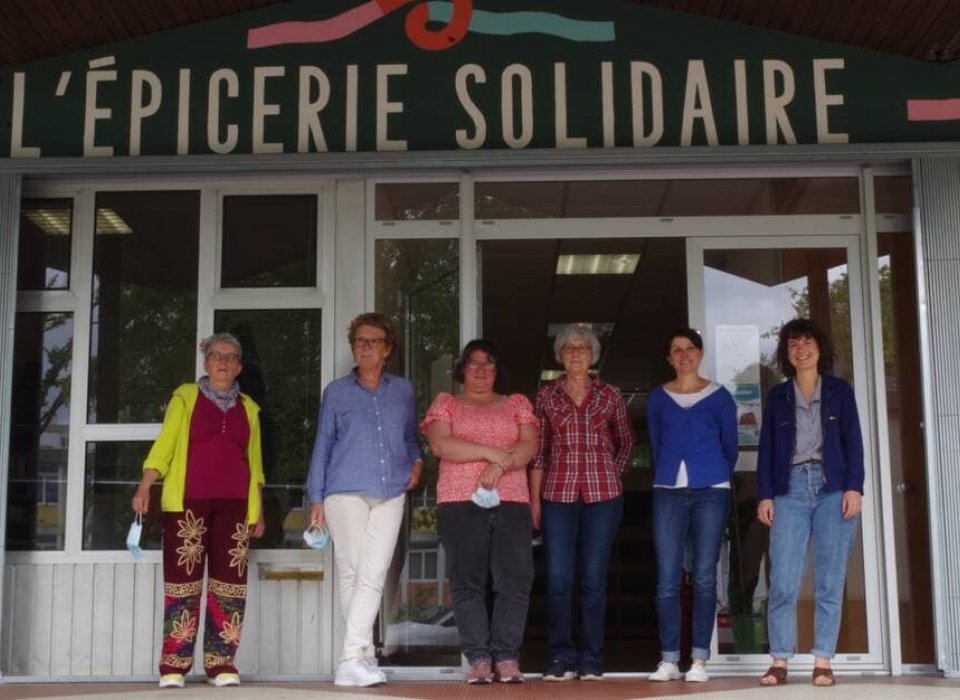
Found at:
<point>738,369</point>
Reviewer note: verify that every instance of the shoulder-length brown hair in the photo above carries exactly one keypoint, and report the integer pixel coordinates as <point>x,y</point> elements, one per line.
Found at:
<point>805,328</point>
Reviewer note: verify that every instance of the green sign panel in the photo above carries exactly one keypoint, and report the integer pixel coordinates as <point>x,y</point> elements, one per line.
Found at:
<point>411,75</point>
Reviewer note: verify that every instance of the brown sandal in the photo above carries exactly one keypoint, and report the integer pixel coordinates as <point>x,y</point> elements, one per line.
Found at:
<point>823,677</point>
<point>778,673</point>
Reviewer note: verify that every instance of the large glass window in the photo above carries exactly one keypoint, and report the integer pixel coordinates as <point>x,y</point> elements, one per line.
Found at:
<point>144,317</point>
<point>632,291</point>
<point>111,476</point>
<point>613,198</point>
<point>39,437</point>
<point>417,286</point>
<point>749,294</point>
<point>44,255</point>
<point>410,201</point>
<point>281,372</point>
<point>269,241</point>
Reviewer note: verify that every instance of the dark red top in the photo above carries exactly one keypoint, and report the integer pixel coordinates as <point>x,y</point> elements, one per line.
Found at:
<point>217,454</point>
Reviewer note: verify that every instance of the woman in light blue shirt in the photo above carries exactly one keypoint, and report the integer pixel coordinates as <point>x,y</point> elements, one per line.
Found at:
<point>366,456</point>
<point>693,434</point>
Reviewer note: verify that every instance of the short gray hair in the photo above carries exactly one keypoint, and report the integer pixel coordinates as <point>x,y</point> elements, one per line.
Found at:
<point>576,331</point>
<point>207,343</point>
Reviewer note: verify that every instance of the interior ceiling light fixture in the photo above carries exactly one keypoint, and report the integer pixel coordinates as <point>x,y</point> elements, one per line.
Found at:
<point>53,222</point>
<point>109,221</point>
<point>598,264</point>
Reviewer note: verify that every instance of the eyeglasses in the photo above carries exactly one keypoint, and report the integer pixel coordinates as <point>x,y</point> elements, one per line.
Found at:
<point>577,348</point>
<point>368,342</point>
<point>480,366</point>
<point>231,358</point>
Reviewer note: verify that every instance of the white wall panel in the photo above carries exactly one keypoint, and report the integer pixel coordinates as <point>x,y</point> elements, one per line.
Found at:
<point>105,620</point>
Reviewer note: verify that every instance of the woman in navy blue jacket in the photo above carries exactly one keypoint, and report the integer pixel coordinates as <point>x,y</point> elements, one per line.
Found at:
<point>693,434</point>
<point>809,485</point>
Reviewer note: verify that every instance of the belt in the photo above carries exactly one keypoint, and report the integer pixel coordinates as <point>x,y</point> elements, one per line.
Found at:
<point>807,463</point>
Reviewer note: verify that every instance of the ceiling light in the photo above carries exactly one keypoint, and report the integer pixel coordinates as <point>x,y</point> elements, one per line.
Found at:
<point>598,264</point>
<point>53,222</point>
<point>109,221</point>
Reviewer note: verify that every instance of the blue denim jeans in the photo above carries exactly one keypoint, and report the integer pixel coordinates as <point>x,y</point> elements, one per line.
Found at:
<point>578,538</point>
<point>697,516</point>
<point>808,513</point>
<point>490,566</point>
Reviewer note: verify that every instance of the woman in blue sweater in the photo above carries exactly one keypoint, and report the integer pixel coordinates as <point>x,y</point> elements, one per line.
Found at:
<point>693,434</point>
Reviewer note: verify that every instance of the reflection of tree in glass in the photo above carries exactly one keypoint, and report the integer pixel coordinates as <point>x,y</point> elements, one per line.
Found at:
<point>145,344</point>
<point>281,372</point>
<point>418,288</point>
<point>839,322</point>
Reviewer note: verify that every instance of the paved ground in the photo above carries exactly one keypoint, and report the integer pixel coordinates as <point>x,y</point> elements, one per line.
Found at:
<point>848,688</point>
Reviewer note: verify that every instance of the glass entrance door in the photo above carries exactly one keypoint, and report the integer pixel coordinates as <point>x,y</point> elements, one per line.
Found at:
<point>741,291</point>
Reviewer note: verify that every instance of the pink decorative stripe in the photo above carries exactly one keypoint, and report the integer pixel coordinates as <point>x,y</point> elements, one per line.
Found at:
<point>933,110</point>
<point>319,31</point>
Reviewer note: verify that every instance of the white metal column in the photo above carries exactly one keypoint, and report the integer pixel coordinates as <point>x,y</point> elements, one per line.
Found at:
<point>9,240</point>
<point>937,226</point>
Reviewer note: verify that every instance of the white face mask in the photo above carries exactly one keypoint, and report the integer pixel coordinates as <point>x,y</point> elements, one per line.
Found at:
<point>133,536</point>
<point>316,537</point>
<point>486,498</point>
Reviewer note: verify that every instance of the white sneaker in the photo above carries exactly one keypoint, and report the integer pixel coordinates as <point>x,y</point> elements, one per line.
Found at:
<point>356,673</point>
<point>224,680</point>
<point>371,663</point>
<point>171,680</point>
<point>697,673</point>
<point>666,671</point>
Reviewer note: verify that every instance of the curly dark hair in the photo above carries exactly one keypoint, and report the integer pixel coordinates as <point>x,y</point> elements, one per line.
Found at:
<point>477,345</point>
<point>804,328</point>
<point>377,321</point>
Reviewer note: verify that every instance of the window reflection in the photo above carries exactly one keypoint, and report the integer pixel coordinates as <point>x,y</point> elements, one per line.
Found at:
<point>144,318</point>
<point>418,283</point>
<point>40,432</point>
<point>749,294</point>
<point>410,201</point>
<point>281,372</point>
<point>111,475</point>
<point>269,241</point>
<point>612,198</point>
<point>44,253</point>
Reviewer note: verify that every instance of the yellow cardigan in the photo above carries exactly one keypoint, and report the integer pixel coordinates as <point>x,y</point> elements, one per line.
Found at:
<point>168,456</point>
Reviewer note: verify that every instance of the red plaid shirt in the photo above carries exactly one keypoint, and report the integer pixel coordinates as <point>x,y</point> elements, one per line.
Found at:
<point>583,450</point>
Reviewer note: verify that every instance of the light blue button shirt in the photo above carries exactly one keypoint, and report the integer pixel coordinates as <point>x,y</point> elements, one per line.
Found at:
<point>366,440</point>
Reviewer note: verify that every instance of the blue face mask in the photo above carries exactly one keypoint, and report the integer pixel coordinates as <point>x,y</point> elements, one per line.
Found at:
<point>316,537</point>
<point>486,498</point>
<point>133,537</point>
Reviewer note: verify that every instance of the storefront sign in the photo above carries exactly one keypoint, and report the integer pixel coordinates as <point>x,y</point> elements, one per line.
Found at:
<point>410,75</point>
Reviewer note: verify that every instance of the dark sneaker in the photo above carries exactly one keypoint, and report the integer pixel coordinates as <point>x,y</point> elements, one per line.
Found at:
<point>591,674</point>
<point>558,671</point>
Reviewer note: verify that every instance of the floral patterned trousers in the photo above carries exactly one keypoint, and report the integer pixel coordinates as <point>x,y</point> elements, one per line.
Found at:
<point>212,532</point>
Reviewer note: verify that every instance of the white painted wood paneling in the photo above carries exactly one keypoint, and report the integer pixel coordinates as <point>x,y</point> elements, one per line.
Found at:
<point>105,619</point>
<point>82,640</point>
<point>101,656</point>
<point>62,619</point>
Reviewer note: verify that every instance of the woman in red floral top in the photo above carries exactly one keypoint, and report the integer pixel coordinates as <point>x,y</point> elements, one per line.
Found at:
<point>484,441</point>
<point>577,497</point>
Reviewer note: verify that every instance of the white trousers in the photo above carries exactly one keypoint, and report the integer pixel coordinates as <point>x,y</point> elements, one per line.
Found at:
<point>364,532</point>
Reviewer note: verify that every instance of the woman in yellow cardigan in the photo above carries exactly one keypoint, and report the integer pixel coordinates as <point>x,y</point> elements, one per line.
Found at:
<point>208,455</point>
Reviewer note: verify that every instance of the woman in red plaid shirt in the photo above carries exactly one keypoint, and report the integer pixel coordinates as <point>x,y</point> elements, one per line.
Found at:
<point>577,498</point>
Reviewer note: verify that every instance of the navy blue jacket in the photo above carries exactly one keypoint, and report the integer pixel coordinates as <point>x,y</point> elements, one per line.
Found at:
<point>842,440</point>
<point>703,436</point>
